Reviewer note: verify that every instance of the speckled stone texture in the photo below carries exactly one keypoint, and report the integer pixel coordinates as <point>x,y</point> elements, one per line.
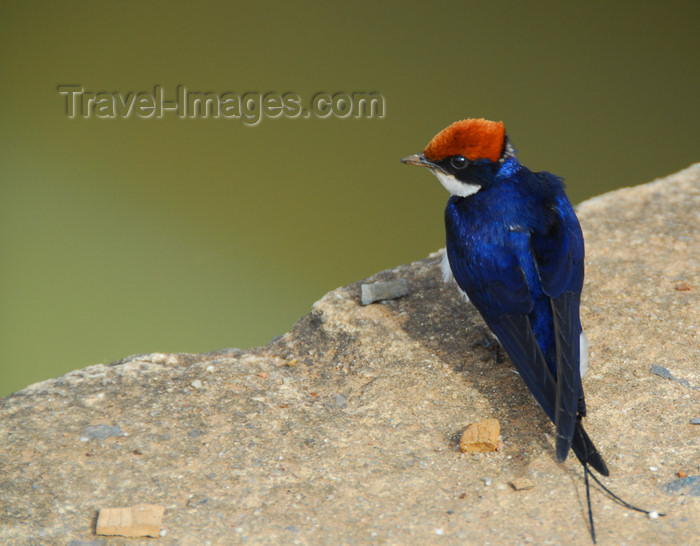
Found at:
<point>346,429</point>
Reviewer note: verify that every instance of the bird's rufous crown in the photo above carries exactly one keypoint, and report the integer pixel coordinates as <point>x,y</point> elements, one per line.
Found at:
<point>471,138</point>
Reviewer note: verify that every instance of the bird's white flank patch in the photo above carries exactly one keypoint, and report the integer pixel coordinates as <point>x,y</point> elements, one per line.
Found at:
<point>454,186</point>
<point>447,275</point>
<point>583,353</point>
<point>446,269</point>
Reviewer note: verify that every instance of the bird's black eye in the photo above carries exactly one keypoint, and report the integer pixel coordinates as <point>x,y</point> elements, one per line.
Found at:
<point>458,162</point>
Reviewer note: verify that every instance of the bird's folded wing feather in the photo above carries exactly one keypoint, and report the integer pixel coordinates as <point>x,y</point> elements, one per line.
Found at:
<point>559,256</point>
<point>569,390</point>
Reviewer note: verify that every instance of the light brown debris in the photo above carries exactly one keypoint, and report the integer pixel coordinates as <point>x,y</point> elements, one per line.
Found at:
<point>140,520</point>
<point>481,437</point>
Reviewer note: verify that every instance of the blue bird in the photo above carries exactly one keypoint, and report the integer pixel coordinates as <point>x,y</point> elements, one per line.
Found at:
<point>515,247</point>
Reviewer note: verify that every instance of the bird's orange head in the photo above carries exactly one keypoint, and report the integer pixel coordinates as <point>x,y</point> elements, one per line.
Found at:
<point>471,138</point>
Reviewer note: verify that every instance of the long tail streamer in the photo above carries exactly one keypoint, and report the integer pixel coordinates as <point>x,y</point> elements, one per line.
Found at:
<point>612,495</point>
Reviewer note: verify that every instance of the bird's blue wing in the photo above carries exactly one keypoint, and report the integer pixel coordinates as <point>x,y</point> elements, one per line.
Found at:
<point>559,254</point>
<point>569,396</point>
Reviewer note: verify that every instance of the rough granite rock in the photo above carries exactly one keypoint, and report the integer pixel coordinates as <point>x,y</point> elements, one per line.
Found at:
<point>346,429</point>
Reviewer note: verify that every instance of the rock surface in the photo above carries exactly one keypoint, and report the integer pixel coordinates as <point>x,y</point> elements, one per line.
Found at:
<point>347,428</point>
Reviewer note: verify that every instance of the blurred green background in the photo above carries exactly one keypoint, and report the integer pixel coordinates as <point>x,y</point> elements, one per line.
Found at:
<point>141,235</point>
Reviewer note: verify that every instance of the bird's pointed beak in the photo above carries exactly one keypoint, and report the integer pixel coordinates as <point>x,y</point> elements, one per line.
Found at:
<point>419,160</point>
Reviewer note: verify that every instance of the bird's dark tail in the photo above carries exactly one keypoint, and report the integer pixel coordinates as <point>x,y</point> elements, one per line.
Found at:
<point>586,452</point>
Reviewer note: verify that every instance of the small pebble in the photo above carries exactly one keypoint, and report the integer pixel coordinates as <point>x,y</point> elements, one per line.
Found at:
<point>661,371</point>
<point>695,421</point>
<point>521,484</point>
<point>387,290</point>
<point>653,468</point>
<point>196,384</point>
<point>653,514</point>
<point>666,374</point>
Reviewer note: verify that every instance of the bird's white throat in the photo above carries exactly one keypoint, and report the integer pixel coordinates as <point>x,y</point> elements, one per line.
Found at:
<point>454,186</point>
